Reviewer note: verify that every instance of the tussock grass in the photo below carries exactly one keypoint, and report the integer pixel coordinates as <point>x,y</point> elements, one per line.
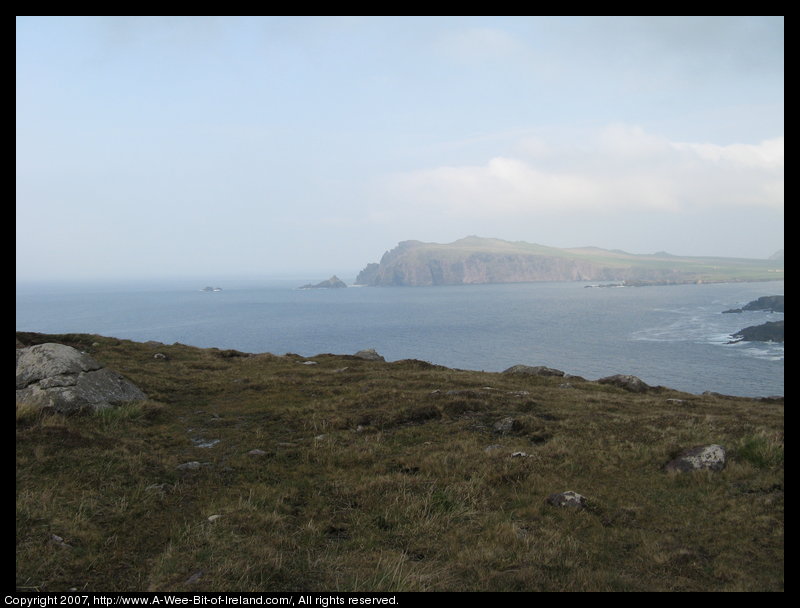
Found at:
<point>375,476</point>
<point>762,449</point>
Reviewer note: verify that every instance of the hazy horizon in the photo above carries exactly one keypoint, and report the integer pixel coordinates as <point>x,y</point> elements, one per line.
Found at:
<point>150,147</point>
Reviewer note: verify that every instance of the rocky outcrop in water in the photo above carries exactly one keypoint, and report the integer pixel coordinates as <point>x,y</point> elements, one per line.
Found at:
<point>333,283</point>
<point>768,303</point>
<point>771,331</point>
<point>62,378</point>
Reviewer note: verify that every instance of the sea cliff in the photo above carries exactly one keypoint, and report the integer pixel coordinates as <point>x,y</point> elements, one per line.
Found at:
<point>480,260</point>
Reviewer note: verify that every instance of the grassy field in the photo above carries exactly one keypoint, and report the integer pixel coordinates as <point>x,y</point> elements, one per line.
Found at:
<point>373,476</point>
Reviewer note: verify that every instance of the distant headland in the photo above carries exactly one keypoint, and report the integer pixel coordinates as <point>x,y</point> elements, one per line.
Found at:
<point>768,303</point>
<point>477,260</point>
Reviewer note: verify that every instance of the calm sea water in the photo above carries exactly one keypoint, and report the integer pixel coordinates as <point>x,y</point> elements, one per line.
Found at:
<point>672,335</point>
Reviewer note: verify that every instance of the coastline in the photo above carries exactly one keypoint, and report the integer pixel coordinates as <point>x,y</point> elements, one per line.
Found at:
<point>625,380</point>
<point>669,335</point>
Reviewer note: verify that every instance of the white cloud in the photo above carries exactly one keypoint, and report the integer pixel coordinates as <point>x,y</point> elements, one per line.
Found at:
<point>767,155</point>
<point>480,43</point>
<point>616,169</point>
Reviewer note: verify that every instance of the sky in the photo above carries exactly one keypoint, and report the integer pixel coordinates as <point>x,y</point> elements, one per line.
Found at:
<point>217,147</point>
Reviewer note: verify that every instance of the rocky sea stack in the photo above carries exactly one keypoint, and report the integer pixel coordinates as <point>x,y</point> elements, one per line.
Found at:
<point>333,283</point>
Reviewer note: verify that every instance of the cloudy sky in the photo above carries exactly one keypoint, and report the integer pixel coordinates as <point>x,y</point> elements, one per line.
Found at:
<point>258,146</point>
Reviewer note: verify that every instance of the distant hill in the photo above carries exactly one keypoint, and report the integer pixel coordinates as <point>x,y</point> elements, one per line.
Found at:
<point>474,260</point>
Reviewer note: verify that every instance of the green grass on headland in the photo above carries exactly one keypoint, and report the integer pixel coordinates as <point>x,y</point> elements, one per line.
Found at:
<point>372,476</point>
<point>481,260</point>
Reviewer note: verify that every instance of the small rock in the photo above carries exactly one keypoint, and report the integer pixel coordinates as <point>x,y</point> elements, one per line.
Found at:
<point>629,383</point>
<point>214,517</point>
<point>507,425</point>
<point>195,577</point>
<point>701,457</point>
<point>567,499</point>
<point>190,466</point>
<point>256,452</point>
<point>369,354</point>
<point>310,363</point>
<point>57,540</point>
<point>519,455</point>
<point>492,448</point>
<point>160,356</point>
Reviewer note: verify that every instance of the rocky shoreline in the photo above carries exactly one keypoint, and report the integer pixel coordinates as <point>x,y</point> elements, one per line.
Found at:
<point>771,331</point>
<point>767,303</point>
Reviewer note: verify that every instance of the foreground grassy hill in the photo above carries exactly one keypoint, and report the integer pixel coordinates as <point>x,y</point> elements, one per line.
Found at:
<point>482,260</point>
<point>267,473</point>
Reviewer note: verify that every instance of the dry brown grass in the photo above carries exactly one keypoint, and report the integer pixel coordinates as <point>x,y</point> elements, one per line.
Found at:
<point>376,477</point>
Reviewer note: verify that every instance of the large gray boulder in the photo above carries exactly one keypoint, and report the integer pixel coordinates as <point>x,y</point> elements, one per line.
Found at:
<point>62,378</point>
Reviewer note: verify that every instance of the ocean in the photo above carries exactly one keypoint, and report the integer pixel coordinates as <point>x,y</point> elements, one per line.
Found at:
<point>673,335</point>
